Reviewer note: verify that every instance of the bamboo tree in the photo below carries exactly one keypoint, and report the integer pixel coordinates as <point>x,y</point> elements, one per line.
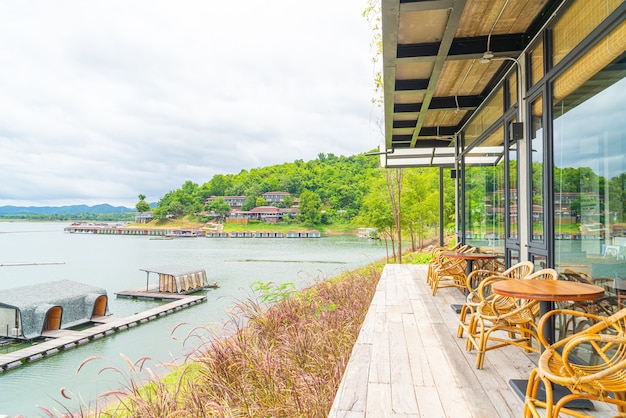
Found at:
<point>394,188</point>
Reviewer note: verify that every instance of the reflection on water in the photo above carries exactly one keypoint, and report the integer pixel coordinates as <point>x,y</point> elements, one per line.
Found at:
<point>114,262</point>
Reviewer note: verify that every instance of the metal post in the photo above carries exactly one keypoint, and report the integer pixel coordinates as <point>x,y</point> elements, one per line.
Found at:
<point>441,225</point>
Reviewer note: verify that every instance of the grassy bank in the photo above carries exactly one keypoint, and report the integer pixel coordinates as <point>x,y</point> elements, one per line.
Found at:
<point>258,226</point>
<point>284,356</point>
<point>282,353</point>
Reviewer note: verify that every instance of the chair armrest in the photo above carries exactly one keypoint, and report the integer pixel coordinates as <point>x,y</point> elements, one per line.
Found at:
<point>474,279</point>
<point>600,343</point>
<point>600,325</point>
<point>501,307</point>
<point>483,291</point>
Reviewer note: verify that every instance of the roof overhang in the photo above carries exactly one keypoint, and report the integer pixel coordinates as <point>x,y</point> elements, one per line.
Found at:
<point>434,72</point>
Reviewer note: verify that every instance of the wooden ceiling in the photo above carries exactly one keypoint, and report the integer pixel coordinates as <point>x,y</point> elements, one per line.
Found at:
<point>433,75</point>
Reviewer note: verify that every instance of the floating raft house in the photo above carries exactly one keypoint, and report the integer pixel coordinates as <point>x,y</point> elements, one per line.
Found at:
<point>26,312</point>
<point>178,279</point>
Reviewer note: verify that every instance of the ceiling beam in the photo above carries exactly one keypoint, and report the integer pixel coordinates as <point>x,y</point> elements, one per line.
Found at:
<point>464,48</point>
<point>436,103</point>
<point>422,5</point>
<point>444,48</point>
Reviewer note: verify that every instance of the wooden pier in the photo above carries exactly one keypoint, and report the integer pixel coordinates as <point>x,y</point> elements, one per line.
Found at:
<point>65,339</point>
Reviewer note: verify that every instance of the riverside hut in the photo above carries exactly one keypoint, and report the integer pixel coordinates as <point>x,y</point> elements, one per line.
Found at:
<point>27,311</point>
<point>178,278</point>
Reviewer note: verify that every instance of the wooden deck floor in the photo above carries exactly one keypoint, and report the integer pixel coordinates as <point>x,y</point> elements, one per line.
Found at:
<point>408,361</point>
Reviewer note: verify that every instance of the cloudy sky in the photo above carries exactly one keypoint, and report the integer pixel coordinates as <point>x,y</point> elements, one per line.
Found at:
<point>103,100</point>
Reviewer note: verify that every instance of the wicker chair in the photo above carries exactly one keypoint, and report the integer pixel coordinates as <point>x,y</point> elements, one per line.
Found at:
<point>451,272</point>
<point>475,297</point>
<point>606,305</point>
<point>603,380</point>
<point>500,321</point>
<point>437,259</point>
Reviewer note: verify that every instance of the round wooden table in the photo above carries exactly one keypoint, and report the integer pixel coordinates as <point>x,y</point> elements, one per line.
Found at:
<point>547,292</point>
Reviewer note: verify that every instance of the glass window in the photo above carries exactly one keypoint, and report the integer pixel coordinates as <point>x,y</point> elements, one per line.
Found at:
<point>512,190</point>
<point>590,172</point>
<point>484,200</point>
<point>537,170</point>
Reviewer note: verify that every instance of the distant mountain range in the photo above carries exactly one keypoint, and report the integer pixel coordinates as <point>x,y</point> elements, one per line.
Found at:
<point>63,210</point>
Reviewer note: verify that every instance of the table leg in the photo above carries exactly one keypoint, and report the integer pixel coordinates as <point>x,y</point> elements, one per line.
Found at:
<point>548,330</point>
<point>558,391</point>
<point>468,269</point>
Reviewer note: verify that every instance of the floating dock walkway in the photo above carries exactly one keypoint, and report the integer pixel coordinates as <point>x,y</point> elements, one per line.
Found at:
<point>64,339</point>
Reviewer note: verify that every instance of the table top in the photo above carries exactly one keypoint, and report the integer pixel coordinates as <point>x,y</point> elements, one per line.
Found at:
<point>472,256</point>
<point>547,290</point>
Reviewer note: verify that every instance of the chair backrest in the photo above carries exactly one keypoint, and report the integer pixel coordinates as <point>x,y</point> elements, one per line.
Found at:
<point>519,270</point>
<point>543,274</point>
<point>576,276</point>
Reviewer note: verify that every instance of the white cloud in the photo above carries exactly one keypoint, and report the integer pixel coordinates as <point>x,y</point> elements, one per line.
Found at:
<point>104,100</point>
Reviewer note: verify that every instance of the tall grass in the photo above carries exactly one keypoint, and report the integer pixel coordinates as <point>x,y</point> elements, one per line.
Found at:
<point>270,360</point>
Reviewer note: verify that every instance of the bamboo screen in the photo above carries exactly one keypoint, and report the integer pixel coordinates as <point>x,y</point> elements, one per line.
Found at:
<point>578,22</point>
<point>485,117</point>
<point>601,55</point>
<point>512,89</point>
<point>536,64</point>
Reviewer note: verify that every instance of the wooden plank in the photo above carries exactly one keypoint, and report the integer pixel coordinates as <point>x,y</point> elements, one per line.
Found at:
<point>408,361</point>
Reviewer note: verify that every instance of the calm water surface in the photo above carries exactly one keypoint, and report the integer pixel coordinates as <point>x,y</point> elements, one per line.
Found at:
<point>113,262</point>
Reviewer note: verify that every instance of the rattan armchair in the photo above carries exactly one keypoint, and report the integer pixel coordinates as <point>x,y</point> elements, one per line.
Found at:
<point>606,305</point>
<point>437,259</point>
<point>476,293</point>
<point>603,380</point>
<point>450,272</point>
<point>501,320</point>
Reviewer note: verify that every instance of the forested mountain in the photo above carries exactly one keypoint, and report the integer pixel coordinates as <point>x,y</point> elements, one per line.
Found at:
<point>63,210</point>
<point>331,189</point>
<point>340,183</point>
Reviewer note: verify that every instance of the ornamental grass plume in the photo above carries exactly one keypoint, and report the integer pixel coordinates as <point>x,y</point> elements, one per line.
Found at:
<point>282,359</point>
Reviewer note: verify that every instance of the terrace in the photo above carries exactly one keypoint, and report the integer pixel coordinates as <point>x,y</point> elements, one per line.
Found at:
<point>408,361</point>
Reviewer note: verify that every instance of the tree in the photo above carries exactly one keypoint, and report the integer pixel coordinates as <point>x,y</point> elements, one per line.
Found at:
<point>142,205</point>
<point>310,208</point>
<point>219,206</point>
<point>376,212</point>
<point>250,203</point>
<point>420,203</point>
<point>394,188</point>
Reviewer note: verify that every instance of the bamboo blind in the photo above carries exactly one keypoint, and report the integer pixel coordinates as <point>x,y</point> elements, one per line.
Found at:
<point>578,22</point>
<point>601,55</point>
<point>536,63</point>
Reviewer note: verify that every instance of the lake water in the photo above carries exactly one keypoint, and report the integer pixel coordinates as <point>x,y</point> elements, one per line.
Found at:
<point>114,262</point>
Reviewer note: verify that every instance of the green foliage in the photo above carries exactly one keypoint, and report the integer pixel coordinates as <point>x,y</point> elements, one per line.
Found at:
<point>219,206</point>
<point>142,206</point>
<point>310,208</point>
<point>270,292</point>
<point>341,183</point>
